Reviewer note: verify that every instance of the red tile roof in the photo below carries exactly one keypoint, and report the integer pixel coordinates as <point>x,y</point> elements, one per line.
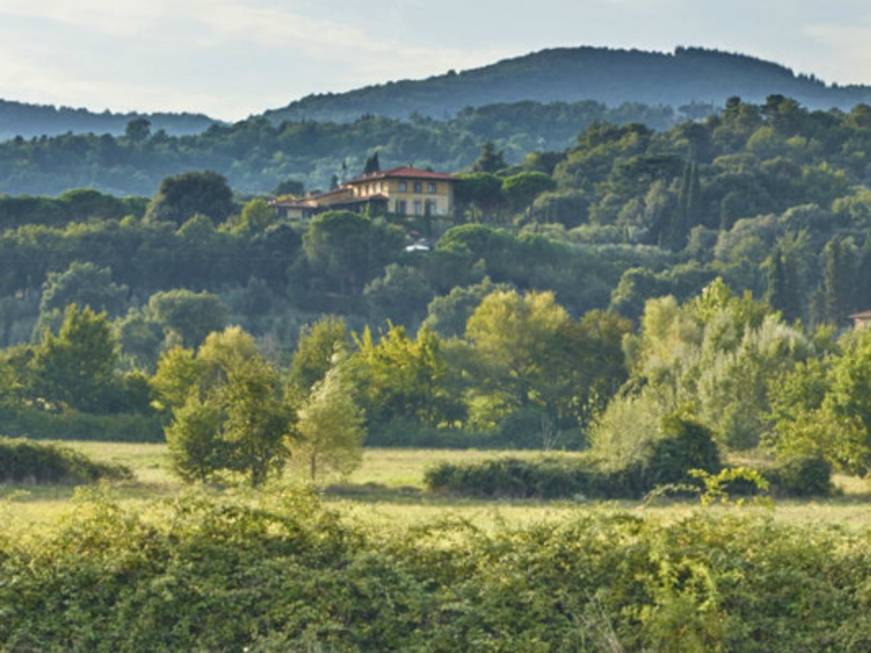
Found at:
<point>403,172</point>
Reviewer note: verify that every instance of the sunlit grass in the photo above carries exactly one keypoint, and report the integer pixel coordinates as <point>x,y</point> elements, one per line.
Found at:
<point>388,491</point>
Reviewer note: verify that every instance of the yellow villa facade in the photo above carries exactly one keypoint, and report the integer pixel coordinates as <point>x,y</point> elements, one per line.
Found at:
<point>402,191</point>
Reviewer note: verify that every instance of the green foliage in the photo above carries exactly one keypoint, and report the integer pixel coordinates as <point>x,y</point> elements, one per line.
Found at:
<point>83,284</point>
<point>192,316</point>
<point>194,440</point>
<point>802,476</point>
<point>22,461</point>
<point>72,425</point>
<point>447,314</point>
<point>545,478</point>
<point>490,160</point>
<point>349,248</point>
<point>281,573</point>
<point>76,367</point>
<point>683,444</point>
<point>229,412</point>
<point>400,377</point>
<point>76,205</point>
<point>191,193</point>
<point>521,189</point>
<point>257,216</point>
<point>290,187</point>
<point>331,428</point>
<point>317,347</point>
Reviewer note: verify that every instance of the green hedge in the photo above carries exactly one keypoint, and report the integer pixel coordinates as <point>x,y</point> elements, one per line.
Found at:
<point>543,478</point>
<point>71,425</point>
<point>573,477</point>
<point>22,461</point>
<point>280,574</point>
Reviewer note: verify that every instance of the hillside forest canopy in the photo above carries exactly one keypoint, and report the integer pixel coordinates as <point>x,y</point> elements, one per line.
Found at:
<point>576,299</point>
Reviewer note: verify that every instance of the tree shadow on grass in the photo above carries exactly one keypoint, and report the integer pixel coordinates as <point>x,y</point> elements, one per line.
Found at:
<point>375,492</point>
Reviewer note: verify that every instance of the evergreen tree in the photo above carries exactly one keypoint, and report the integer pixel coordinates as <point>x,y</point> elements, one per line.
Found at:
<point>490,160</point>
<point>839,265</point>
<point>373,165</point>
<point>775,281</point>
<point>784,282</point>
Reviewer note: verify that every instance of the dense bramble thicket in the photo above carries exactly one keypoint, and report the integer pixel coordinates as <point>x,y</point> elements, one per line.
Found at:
<point>27,462</point>
<point>282,574</point>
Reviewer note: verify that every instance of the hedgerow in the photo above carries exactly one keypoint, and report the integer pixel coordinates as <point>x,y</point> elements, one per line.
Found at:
<point>73,425</point>
<point>279,573</point>
<point>22,461</point>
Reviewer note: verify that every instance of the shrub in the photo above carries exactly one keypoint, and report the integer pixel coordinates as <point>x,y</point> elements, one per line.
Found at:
<point>541,478</point>
<point>683,445</point>
<point>22,461</point>
<point>801,476</point>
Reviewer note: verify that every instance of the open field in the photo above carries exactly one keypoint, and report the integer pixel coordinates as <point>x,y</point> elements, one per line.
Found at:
<point>388,490</point>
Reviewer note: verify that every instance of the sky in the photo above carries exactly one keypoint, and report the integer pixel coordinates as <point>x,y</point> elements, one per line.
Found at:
<point>233,58</point>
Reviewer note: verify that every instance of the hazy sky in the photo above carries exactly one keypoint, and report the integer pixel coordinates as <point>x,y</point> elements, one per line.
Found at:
<point>230,58</point>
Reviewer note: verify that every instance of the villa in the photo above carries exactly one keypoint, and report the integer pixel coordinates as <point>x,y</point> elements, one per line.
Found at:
<point>404,191</point>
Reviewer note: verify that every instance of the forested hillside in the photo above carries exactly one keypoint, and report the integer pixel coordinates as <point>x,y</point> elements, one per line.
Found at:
<point>773,200</point>
<point>611,76</point>
<point>34,120</point>
<point>256,155</point>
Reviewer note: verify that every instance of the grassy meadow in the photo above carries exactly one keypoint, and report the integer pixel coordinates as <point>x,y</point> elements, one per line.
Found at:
<point>388,490</point>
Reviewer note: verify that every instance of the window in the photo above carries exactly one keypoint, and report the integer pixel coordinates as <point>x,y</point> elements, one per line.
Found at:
<point>431,187</point>
<point>418,187</point>
<point>403,186</point>
<point>418,207</point>
<point>401,207</point>
<point>431,207</point>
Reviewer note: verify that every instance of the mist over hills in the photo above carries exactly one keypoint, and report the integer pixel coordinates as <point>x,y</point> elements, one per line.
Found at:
<point>29,120</point>
<point>611,76</point>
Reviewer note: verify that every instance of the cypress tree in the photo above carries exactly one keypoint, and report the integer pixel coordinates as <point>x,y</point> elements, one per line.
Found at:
<point>775,282</point>
<point>373,165</point>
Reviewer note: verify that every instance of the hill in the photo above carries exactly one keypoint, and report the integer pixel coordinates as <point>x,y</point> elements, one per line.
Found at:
<point>686,76</point>
<point>256,154</point>
<point>29,120</point>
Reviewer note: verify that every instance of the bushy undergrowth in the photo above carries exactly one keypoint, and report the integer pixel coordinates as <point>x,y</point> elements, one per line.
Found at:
<point>802,476</point>
<point>281,574</point>
<point>30,462</point>
<point>72,425</point>
<point>682,445</point>
<point>563,478</point>
<point>542,478</point>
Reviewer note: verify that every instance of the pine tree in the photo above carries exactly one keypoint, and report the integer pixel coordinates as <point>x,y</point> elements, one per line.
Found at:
<point>490,159</point>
